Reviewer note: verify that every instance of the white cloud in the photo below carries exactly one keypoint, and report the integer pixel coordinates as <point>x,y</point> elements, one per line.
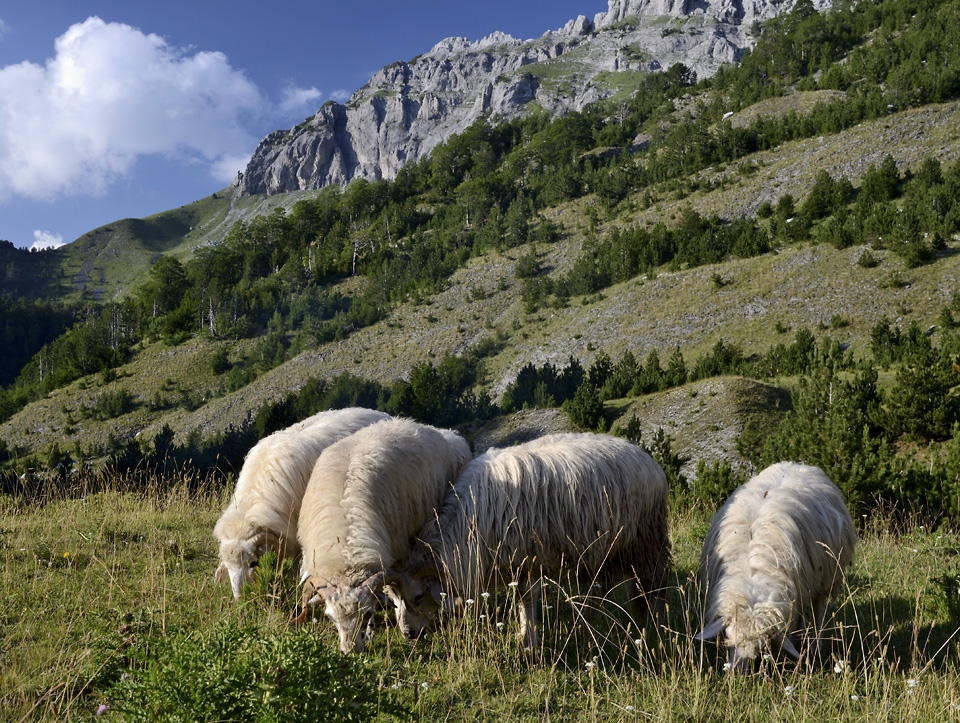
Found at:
<point>46,240</point>
<point>3,28</point>
<point>225,168</point>
<point>341,96</point>
<point>111,94</point>
<point>296,100</point>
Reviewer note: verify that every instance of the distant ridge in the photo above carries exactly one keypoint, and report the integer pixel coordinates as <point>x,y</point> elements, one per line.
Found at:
<point>409,108</point>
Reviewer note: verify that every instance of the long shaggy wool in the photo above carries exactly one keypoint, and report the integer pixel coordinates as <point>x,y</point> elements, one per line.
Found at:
<point>587,503</point>
<point>370,493</point>
<point>775,551</point>
<point>275,473</point>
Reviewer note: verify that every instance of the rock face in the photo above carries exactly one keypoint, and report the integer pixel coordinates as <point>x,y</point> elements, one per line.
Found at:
<point>407,109</point>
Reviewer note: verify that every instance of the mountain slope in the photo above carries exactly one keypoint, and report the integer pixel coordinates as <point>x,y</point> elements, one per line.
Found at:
<point>409,108</point>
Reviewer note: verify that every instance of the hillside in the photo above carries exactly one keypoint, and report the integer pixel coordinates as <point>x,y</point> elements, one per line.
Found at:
<point>665,228</point>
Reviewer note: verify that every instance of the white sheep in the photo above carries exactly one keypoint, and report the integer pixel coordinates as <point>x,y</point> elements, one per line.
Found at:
<point>775,552</point>
<point>368,495</point>
<point>263,512</point>
<point>591,504</point>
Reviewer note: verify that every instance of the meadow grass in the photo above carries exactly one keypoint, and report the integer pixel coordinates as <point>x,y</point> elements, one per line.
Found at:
<point>95,583</point>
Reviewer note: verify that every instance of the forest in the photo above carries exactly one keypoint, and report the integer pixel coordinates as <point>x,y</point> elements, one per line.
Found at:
<point>274,278</point>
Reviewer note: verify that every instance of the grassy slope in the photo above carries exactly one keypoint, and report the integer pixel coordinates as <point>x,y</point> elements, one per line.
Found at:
<point>798,286</point>
<point>108,262</point>
<point>87,582</point>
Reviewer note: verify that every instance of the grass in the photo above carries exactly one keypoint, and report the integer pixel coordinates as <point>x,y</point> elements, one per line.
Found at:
<point>96,580</point>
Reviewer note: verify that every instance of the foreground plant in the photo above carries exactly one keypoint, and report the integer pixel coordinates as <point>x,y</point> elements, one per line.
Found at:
<point>249,673</point>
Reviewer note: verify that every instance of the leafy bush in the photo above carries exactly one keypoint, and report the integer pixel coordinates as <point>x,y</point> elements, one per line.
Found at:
<point>249,673</point>
<point>586,408</point>
<point>716,482</point>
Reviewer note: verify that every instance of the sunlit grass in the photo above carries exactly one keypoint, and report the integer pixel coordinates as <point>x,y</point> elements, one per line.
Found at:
<point>91,584</point>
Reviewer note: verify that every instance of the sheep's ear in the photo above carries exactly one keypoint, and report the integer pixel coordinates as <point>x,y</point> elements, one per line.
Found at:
<point>222,573</point>
<point>710,631</point>
<point>436,591</point>
<point>787,645</point>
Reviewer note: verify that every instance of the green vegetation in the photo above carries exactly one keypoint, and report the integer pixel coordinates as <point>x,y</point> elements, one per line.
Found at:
<point>108,597</point>
<point>109,604</point>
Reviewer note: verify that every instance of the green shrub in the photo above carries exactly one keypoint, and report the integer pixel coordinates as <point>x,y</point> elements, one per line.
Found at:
<point>716,482</point>
<point>248,673</point>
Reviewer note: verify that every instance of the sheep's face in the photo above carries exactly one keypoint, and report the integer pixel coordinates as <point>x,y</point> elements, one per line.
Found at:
<point>416,602</point>
<point>742,653</point>
<point>238,558</point>
<point>742,649</point>
<point>351,609</point>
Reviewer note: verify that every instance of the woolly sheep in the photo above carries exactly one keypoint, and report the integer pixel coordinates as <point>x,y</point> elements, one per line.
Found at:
<point>367,496</point>
<point>590,503</point>
<point>775,552</point>
<point>265,506</point>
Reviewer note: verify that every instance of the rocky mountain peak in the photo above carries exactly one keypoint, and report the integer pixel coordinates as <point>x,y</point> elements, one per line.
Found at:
<point>409,108</point>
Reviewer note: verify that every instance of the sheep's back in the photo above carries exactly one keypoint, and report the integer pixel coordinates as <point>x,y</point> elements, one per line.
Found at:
<point>276,471</point>
<point>371,492</point>
<point>398,476</point>
<point>571,500</point>
<point>781,538</point>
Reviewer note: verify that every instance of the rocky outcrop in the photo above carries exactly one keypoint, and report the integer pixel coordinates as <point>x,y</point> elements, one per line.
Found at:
<point>407,109</point>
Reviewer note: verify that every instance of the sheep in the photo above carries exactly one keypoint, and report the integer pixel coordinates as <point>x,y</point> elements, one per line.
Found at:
<point>367,496</point>
<point>587,502</point>
<point>775,552</point>
<point>263,512</point>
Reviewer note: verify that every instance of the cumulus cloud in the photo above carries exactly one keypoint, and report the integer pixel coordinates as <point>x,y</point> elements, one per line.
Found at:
<point>109,95</point>
<point>297,100</point>
<point>341,96</point>
<point>46,240</point>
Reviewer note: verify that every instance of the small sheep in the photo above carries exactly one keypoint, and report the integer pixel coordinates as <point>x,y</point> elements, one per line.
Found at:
<point>367,496</point>
<point>775,552</point>
<point>265,506</point>
<point>589,503</point>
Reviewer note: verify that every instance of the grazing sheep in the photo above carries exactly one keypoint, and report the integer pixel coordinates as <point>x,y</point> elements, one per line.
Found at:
<point>589,503</point>
<point>775,552</point>
<point>367,497</point>
<point>265,506</point>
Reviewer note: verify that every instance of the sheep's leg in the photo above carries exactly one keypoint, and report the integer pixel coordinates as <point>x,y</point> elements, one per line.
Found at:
<point>819,616</point>
<point>529,602</point>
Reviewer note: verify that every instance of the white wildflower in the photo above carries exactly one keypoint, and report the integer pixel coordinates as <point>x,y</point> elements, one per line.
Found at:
<point>839,666</point>
<point>789,690</point>
<point>470,601</point>
<point>484,595</point>
<point>513,584</point>
<point>425,686</point>
<point>630,708</point>
<point>854,697</point>
<point>913,683</point>
<point>726,667</point>
<point>591,665</point>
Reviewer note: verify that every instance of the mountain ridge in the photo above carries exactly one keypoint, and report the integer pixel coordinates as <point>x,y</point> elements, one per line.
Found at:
<point>409,108</point>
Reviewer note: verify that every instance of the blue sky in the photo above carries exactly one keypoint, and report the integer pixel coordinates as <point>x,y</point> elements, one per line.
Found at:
<point>113,109</point>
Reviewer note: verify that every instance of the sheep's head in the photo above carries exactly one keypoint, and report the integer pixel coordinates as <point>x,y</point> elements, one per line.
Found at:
<point>417,600</point>
<point>239,557</point>
<point>349,607</point>
<point>750,636</point>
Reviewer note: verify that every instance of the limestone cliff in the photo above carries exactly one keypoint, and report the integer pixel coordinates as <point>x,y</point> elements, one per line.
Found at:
<point>409,108</point>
